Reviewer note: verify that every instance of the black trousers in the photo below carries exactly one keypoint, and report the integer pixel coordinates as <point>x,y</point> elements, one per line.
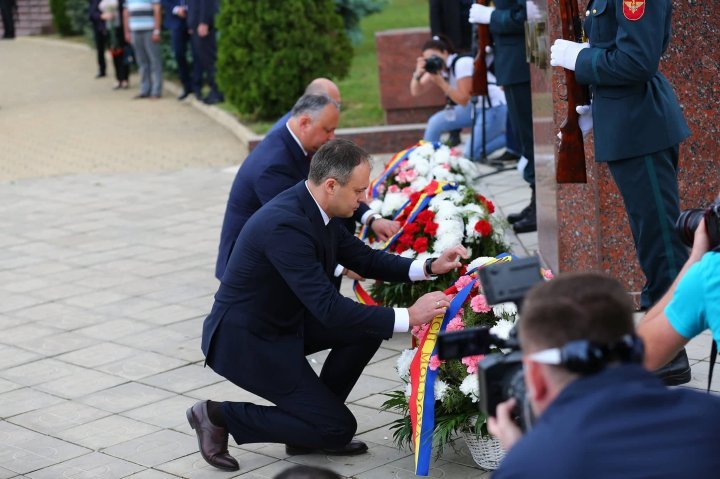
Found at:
<point>648,185</point>
<point>101,43</point>
<point>188,73</point>
<point>519,103</point>
<point>8,18</point>
<point>314,414</point>
<point>206,49</point>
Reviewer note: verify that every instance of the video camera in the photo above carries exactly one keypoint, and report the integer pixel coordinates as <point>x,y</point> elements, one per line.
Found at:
<point>500,374</point>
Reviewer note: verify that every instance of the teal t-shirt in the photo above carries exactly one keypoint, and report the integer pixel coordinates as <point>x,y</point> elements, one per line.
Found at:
<point>695,306</point>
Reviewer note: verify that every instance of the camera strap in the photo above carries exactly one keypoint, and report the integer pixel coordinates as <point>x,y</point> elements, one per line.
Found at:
<point>713,356</point>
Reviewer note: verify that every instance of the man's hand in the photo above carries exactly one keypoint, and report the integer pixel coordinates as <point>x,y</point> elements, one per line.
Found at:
<point>180,11</point>
<point>480,14</point>
<point>384,228</point>
<point>503,427</point>
<point>564,53</point>
<point>155,36</point>
<point>585,120</point>
<point>449,260</point>
<point>352,275</point>
<point>202,30</point>
<point>427,307</point>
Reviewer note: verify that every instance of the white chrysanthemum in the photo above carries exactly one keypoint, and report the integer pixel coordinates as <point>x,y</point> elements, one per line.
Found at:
<point>470,227</point>
<point>502,328</point>
<point>454,227</point>
<point>422,256</point>
<point>392,203</point>
<point>445,242</point>
<point>479,261</point>
<point>403,363</point>
<point>420,164</point>
<point>505,310</point>
<point>441,174</point>
<point>467,167</point>
<point>453,196</point>
<point>420,183</point>
<point>376,204</point>
<point>445,211</point>
<point>473,209</point>
<point>425,151</point>
<point>409,253</point>
<point>471,387</point>
<point>442,155</point>
<point>408,390</point>
<point>441,388</point>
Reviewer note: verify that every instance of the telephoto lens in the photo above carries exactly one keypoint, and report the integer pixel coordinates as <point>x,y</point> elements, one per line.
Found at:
<point>687,223</point>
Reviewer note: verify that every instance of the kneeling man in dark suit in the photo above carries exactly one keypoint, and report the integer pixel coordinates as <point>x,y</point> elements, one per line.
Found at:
<point>277,303</point>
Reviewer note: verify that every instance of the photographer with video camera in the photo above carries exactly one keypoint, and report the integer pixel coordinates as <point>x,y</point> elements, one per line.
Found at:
<point>599,413</point>
<point>692,304</point>
<point>452,73</point>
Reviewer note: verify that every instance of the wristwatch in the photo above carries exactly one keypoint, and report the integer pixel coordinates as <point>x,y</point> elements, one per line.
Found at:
<point>373,217</point>
<point>427,267</point>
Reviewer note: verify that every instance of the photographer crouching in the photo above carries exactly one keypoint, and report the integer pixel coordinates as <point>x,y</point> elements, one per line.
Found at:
<point>692,304</point>
<point>599,413</point>
<point>452,73</point>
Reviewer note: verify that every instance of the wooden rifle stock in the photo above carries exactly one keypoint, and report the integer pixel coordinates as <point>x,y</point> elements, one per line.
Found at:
<point>479,78</point>
<point>571,154</point>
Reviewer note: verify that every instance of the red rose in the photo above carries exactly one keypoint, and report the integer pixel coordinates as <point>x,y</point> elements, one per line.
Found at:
<point>425,216</point>
<point>420,245</point>
<point>490,206</point>
<point>405,239</point>
<point>431,228</point>
<point>412,228</point>
<point>483,227</point>
<point>399,247</point>
<point>414,197</point>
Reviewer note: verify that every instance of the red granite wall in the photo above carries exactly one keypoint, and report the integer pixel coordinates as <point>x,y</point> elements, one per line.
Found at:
<point>584,227</point>
<point>397,52</point>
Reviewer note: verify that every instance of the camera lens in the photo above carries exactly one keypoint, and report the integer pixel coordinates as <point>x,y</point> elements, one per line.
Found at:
<point>687,223</point>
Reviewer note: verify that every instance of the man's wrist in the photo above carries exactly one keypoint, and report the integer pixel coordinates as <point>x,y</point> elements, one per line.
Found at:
<point>427,267</point>
<point>417,77</point>
<point>156,31</point>
<point>372,218</point>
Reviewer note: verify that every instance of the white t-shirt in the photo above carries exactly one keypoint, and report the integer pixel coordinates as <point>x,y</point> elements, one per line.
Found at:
<point>464,68</point>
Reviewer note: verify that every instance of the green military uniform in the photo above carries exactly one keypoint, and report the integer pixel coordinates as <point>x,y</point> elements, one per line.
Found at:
<point>638,125</point>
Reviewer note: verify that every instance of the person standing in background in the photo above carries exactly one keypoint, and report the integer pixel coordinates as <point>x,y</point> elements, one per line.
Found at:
<point>176,22</point>
<point>8,10</point>
<point>100,35</point>
<point>141,19</point>
<point>201,22</point>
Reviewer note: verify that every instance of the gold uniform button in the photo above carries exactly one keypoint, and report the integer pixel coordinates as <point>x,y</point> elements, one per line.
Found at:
<point>594,11</point>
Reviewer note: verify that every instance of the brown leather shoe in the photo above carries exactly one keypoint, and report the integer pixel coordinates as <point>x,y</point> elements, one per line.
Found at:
<point>212,440</point>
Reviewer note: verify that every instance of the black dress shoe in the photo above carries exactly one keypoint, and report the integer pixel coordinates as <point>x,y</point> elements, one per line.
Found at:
<point>212,439</point>
<point>353,448</point>
<point>675,372</point>
<point>213,98</point>
<point>184,95</point>
<point>140,97</point>
<point>515,217</point>
<point>526,225</point>
<point>100,75</point>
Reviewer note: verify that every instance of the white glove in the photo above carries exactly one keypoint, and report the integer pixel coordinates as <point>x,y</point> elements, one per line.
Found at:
<point>533,12</point>
<point>564,53</point>
<point>480,14</point>
<point>585,120</point>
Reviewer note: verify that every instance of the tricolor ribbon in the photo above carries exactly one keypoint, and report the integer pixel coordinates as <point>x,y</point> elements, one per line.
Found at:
<point>422,378</point>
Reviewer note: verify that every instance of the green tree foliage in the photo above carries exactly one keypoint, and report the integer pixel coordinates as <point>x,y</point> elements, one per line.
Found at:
<point>352,11</point>
<point>61,22</point>
<point>270,49</point>
<point>77,13</point>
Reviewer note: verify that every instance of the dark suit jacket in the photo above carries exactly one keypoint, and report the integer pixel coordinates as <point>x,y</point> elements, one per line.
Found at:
<point>278,276</point>
<point>507,25</point>
<point>621,422</point>
<point>635,110</point>
<point>170,20</point>
<point>275,165</point>
<point>201,11</point>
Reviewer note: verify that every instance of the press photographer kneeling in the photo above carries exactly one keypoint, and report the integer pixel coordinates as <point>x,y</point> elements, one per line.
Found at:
<point>599,413</point>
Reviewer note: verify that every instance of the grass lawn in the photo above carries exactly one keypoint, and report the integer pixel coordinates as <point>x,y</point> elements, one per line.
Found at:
<point>360,90</point>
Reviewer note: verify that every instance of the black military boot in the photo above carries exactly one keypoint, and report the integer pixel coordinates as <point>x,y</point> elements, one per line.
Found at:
<point>675,372</point>
<point>528,222</point>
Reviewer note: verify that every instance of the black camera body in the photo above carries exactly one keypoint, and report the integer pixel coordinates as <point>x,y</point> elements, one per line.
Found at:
<point>500,374</point>
<point>434,64</point>
<point>689,220</point>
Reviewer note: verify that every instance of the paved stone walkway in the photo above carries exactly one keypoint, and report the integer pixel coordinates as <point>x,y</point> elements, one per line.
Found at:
<point>107,249</point>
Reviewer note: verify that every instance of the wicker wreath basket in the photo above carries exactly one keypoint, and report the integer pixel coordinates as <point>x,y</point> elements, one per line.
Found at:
<point>486,450</point>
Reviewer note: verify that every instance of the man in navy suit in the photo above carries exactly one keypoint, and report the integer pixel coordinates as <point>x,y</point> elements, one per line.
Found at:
<point>319,86</point>
<point>600,414</point>
<point>176,22</point>
<point>276,303</point>
<point>201,24</point>
<point>279,162</point>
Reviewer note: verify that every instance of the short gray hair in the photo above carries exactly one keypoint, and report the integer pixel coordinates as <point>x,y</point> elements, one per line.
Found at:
<point>312,104</point>
<point>336,159</point>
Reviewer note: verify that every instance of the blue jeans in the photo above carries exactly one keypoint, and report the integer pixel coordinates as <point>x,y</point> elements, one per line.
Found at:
<point>495,119</point>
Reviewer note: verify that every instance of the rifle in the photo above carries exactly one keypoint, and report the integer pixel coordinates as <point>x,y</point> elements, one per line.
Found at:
<point>479,79</point>
<point>571,154</point>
